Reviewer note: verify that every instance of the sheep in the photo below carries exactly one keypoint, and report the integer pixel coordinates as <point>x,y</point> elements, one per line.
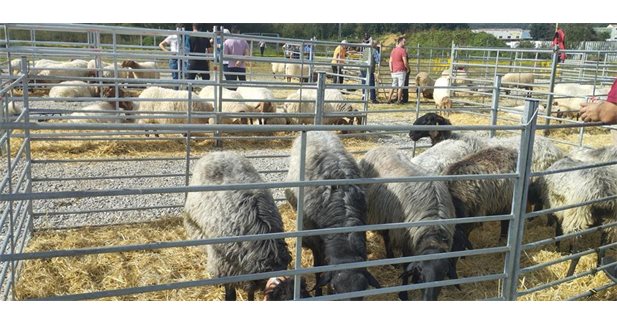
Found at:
<point>517,80</point>
<point>333,102</point>
<point>108,70</point>
<point>569,107</point>
<point>567,188</point>
<point>603,154</point>
<point>214,214</point>
<point>545,153</point>
<point>278,120</point>
<point>329,206</point>
<point>176,101</point>
<point>104,112</point>
<point>262,100</point>
<point>138,67</point>
<point>277,68</point>
<point>442,96</point>
<point>208,93</point>
<point>297,70</point>
<point>425,83</point>
<point>62,70</point>
<point>99,112</point>
<point>473,198</point>
<point>16,66</point>
<point>73,89</point>
<point>410,202</point>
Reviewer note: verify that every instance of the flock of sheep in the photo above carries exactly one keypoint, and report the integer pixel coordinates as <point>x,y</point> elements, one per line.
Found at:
<point>214,214</point>
<point>155,100</point>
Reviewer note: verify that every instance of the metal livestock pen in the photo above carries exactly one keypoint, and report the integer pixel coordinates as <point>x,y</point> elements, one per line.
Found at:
<point>93,186</point>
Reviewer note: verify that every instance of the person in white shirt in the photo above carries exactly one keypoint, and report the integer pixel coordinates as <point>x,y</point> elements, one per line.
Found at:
<point>172,42</point>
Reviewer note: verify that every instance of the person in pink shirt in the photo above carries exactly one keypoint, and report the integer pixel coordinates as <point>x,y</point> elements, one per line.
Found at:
<point>233,46</point>
<point>604,111</point>
<point>559,40</point>
<point>398,69</point>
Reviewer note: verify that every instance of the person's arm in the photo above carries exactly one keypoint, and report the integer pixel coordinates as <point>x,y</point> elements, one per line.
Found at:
<point>390,64</point>
<point>162,45</point>
<point>405,62</point>
<point>605,112</point>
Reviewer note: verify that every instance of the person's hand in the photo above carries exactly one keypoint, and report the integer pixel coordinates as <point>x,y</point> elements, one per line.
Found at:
<point>238,63</point>
<point>590,112</point>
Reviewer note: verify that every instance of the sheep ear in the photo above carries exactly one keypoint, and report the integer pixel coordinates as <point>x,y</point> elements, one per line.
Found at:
<point>324,279</point>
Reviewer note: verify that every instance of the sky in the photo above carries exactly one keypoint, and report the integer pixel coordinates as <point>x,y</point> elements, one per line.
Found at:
<point>318,11</point>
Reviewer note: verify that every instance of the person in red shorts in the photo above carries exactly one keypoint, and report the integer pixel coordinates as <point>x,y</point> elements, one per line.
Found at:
<point>604,111</point>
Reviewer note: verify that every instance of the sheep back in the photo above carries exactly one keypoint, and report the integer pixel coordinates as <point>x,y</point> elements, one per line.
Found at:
<point>407,202</point>
<point>213,214</point>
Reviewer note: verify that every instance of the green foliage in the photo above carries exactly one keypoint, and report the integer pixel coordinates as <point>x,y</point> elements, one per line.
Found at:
<point>574,32</point>
<point>444,38</point>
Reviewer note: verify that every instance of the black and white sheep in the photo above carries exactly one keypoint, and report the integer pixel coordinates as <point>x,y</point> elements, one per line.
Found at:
<point>330,206</point>
<point>578,186</point>
<point>215,214</point>
<point>410,202</point>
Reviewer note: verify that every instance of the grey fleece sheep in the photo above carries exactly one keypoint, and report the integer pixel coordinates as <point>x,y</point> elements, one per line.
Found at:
<point>213,214</point>
<point>331,206</point>
<point>545,153</point>
<point>473,198</point>
<point>410,202</point>
<point>574,187</point>
<point>603,154</point>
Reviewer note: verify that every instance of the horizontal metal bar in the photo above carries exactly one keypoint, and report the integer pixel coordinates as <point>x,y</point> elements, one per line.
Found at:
<point>548,241</point>
<point>46,213</point>
<point>110,177</point>
<point>186,189</point>
<point>536,267</point>
<point>239,278</point>
<point>569,206</point>
<point>281,235</point>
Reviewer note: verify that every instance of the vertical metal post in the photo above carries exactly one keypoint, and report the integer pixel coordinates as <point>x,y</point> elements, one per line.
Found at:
<point>27,138</point>
<point>319,100</point>
<point>495,103</point>
<point>551,88</point>
<point>519,199</point>
<point>218,59</point>
<point>300,216</point>
<point>417,59</point>
<point>187,139</point>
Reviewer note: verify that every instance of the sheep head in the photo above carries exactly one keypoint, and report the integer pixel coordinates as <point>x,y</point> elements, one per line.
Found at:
<point>431,119</point>
<point>282,288</point>
<point>348,281</point>
<point>431,271</point>
<point>129,64</point>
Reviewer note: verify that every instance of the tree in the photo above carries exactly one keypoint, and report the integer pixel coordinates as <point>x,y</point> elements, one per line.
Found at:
<point>542,32</point>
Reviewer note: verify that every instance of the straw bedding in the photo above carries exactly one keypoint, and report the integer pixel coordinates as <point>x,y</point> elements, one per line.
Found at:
<point>61,276</point>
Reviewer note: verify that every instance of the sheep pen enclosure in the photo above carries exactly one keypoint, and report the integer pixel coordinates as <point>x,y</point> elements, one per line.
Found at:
<point>92,196</point>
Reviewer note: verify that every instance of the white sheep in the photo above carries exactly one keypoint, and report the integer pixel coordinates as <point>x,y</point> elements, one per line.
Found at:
<point>410,202</point>
<point>99,112</point>
<point>333,102</point>
<point>517,80</point>
<point>175,101</point>
<point>139,67</point>
<point>108,70</point>
<point>442,96</point>
<point>258,98</point>
<point>214,214</point>
<point>63,70</point>
<point>575,95</point>
<point>297,70</point>
<point>73,89</point>
<point>208,93</point>
<point>277,68</point>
